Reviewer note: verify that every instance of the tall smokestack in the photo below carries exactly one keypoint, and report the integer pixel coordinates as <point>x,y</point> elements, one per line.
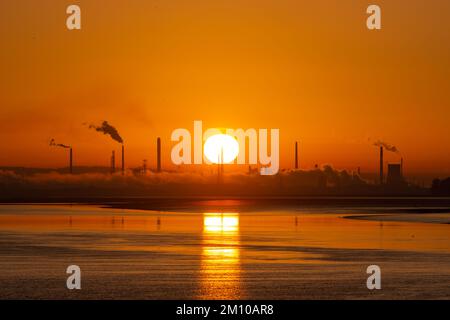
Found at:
<point>123,160</point>
<point>221,162</point>
<point>113,161</point>
<point>401,167</point>
<point>296,155</point>
<point>144,166</point>
<point>70,160</point>
<point>381,164</point>
<point>158,154</point>
<point>220,167</point>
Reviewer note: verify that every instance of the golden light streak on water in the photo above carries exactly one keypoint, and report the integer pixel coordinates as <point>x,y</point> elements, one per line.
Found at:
<point>220,269</point>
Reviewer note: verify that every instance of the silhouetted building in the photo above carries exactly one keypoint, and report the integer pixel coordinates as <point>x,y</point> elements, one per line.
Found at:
<point>394,176</point>
<point>381,164</point>
<point>441,187</point>
<point>158,155</point>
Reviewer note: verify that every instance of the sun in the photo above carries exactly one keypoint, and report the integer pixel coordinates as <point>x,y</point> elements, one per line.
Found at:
<point>221,148</point>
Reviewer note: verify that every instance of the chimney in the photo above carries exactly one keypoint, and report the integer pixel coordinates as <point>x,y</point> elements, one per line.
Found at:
<point>123,160</point>
<point>401,167</point>
<point>113,162</point>
<point>381,164</point>
<point>158,154</point>
<point>221,161</point>
<point>70,160</point>
<point>296,155</point>
<point>220,167</point>
<point>144,166</point>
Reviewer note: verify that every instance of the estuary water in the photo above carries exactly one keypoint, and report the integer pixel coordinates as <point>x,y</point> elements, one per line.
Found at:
<point>278,254</point>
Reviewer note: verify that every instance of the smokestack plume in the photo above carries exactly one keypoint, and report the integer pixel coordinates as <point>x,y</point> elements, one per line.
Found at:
<point>387,146</point>
<point>53,143</point>
<point>296,155</point>
<point>381,164</point>
<point>158,154</point>
<point>123,160</point>
<point>108,129</point>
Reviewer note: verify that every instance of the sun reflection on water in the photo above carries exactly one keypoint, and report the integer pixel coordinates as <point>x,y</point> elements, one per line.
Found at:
<point>220,264</point>
<point>216,222</point>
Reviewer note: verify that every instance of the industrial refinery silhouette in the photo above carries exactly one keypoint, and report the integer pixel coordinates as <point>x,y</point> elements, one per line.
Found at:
<point>74,181</point>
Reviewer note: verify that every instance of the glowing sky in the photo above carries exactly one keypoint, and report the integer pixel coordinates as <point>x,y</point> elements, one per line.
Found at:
<point>309,68</point>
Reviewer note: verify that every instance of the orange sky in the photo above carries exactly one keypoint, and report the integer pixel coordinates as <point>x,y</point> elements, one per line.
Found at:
<point>309,68</point>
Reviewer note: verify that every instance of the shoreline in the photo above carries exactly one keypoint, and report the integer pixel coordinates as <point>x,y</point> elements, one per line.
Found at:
<point>399,205</point>
<point>410,205</point>
<point>432,218</point>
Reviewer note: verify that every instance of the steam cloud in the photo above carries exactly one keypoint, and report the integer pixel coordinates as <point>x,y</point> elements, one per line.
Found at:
<point>387,146</point>
<point>107,129</point>
<point>20,182</point>
<point>54,144</point>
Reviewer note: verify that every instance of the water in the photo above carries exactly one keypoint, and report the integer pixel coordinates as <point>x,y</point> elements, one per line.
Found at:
<point>281,254</point>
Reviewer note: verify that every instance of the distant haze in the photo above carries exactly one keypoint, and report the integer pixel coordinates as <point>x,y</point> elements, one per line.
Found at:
<point>309,68</point>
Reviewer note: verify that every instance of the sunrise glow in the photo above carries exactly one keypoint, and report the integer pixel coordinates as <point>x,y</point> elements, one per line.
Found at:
<point>221,148</point>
